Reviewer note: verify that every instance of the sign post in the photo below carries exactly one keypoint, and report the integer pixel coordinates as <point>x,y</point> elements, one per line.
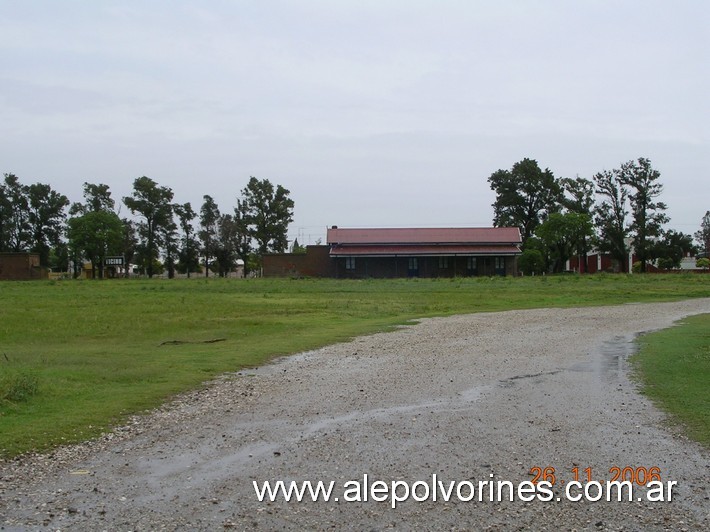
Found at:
<point>115,262</point>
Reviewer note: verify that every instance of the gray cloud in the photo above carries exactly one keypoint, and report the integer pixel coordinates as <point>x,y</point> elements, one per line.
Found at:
<point>371,113</point>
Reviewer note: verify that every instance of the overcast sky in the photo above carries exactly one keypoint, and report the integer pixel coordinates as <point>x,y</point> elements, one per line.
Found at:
<point>372,113</point>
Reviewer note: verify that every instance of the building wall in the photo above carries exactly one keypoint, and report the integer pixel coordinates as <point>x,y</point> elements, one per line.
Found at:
<point>315,262</point>
<point>390,267</point>
<point>602,263</point>
<point>21,267</point>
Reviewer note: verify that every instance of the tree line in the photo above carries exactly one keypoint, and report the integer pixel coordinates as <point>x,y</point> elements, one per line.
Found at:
<point>162,236</point>
<point>613,212</point>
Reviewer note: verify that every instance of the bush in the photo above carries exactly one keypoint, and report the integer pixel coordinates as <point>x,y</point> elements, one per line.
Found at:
<point>18,387</point>
<point>531,262</point>
<point>703,263</point>
<point>666,263</point>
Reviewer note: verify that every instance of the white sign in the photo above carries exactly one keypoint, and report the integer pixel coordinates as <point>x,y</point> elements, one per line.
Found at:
<point>113,261</point>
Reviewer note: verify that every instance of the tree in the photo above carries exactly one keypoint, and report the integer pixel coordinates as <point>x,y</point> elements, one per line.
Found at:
<point>531,262</point>
<point>525,196</point>
<point>226,248</point>
<point>297,248</point>
<point>209,216</point>
<point>703,236</point>
<point>96,198</point>
<point>59,257</point>
<point>14,223</point>
<point>188,252</point>
<point>564,235</point>
<point>610,216</point>
<point>169,240</point>
<point>96,234</point>
<point>243,236</point>
<point>5,217</point>
<point>578,197</point>
<point>154,204</point>
<point>45,218</point>
<point>87,228</point>
<point>268,211</point>
<point>671,249</point>
<point>647,216</point>
<point>129,242</point>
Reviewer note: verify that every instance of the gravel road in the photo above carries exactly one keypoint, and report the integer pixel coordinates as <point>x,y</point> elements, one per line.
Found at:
<point>469,398</point>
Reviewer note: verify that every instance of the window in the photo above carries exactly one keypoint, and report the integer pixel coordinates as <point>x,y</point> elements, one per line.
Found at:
<point>472,264</point>
<point>413,263</point>
<point>349,263</point>
<point>443,263</point>
<point>500,263</point>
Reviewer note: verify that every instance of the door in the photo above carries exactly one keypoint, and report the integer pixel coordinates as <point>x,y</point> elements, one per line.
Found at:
<point>413,267</point>
<point>500,266</point>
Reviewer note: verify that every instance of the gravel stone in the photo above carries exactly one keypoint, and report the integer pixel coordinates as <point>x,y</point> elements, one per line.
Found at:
<point>473,397</point>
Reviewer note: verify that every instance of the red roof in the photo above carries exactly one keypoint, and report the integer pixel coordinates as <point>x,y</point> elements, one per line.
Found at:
<point>451,235</point>
<point>420,250</point>
<point>383,242</point>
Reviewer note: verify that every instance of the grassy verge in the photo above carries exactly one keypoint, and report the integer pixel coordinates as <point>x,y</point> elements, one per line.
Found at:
<point>79,356</point>
<point>674,368</point>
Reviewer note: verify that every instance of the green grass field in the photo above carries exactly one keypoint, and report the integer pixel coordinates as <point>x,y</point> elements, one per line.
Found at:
<point>674,367</point>
<point>79,356</point>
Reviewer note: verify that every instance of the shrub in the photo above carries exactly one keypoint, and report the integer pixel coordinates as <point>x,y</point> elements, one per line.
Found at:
<point>666,263</point>
<point>531,262</point>
<point>18,387</point>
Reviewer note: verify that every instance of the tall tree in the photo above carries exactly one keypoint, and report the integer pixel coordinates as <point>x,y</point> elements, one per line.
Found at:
<point>16,230</point>
<point>610,216</point>
<point>564,235</point>
<point>209,216</point>
<point>578,197</point>
<point>129,242</point>
<point>703,236</point>
<point>5,217</point>
<point>226,248</point>
<point>647,214</point>
<point>187,253</point>
<point>95,230</point>
<point>96,234</point>
<point>525,196</point>
<point>153,203</point>
<point>97,197</point>
<point>170,246</point>
<point>268,210</point>
<point>243,234</point>
<point>45,218</point>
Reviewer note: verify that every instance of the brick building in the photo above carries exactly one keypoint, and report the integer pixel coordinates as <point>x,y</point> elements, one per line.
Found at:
<point>21,267</point>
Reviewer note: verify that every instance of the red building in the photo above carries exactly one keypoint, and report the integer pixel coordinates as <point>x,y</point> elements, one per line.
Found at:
<point>410,252</point>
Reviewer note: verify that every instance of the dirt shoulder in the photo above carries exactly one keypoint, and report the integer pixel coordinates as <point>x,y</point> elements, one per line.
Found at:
<point>463,398</point>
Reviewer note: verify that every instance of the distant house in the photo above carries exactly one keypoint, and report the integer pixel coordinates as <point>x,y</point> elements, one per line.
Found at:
<point>404,252</point>
<point>21,266</point>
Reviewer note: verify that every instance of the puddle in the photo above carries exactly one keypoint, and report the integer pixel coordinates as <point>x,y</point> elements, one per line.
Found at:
<point>610,360</point>
<point>462,401</point>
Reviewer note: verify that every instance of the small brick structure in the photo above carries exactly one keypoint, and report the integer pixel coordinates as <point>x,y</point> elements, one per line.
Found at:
<point>315,262</point>
<point>21,266</point>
